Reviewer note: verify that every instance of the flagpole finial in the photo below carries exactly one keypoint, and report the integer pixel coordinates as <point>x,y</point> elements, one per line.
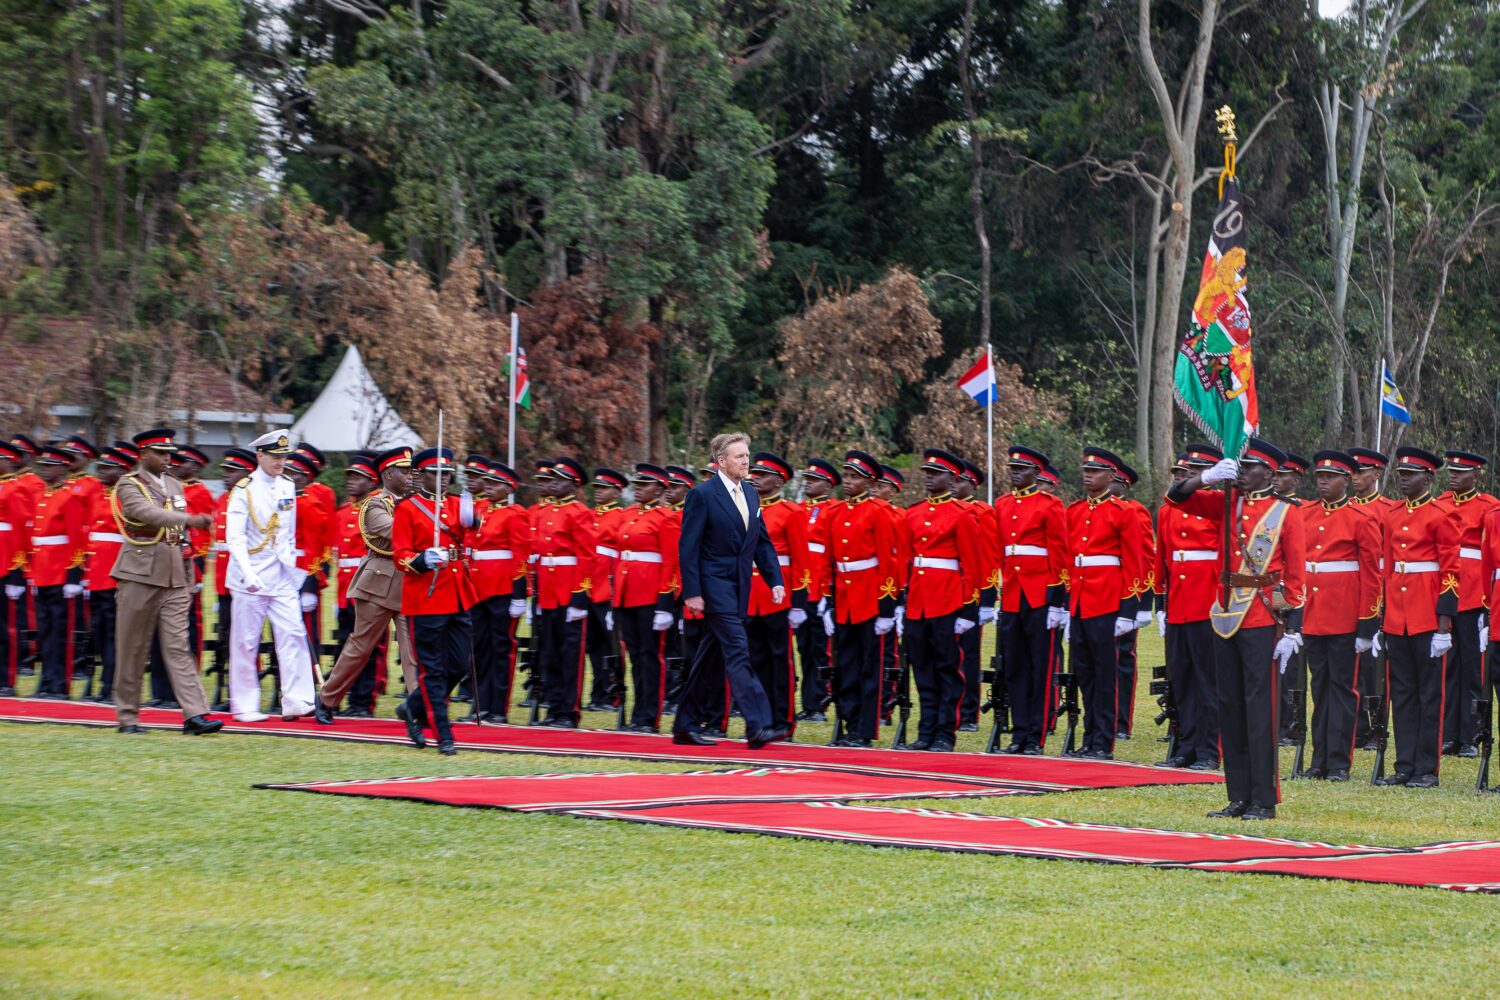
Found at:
<point>1225,117</point>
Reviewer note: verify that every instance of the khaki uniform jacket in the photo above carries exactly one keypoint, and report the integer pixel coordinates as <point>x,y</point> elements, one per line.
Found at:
<point>152,519</point>
<point>377,579</point>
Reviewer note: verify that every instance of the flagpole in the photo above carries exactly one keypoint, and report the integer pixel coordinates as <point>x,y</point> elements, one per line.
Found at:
<point>1379,396</point>
<point>989,431</point>
<point>1230,137</point>
<point>515,341</point>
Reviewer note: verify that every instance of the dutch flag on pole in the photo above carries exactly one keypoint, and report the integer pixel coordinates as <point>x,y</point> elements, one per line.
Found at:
<point>1391,402</point>
<point>979,381</point>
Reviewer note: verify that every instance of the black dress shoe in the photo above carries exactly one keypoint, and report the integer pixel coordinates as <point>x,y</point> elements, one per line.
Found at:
<point>920,744</point>
<point>413,727</point>
<point>496,718</point>
<point>812,717</point>
<point>1468,750</point>
<point>1203,765</point>
<point>1423,781</point>
<point>941,744</point>
<point>1315,774</point>
<point>771,734</point>
<point>1369,745</point>
<point>1338,775</point>
<point>1259,812</point>
<point>1100,755</point>
<point>447,748</point>
<point>1015,747</point>
<point>688,738</point>
<point>1391,780</point>
<point>322,713</point>
<point>166,703</point>
<point>1449,748</point>
<point>201,725</point>
<point>969,727</point>
<point>559,722</point>
<point>1177,760</point>
<point>1032,750</point>
<point>355,713</point>
<point>1232,811</point>
<point>7,692</point>
<point>1286,741</point>
<point>859,744</point>
<point>132,729</point>
<point>1121,735</point>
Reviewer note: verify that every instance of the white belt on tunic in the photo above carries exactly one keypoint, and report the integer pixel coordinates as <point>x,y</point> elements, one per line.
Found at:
<point>106,536</point>
<point>49,540</point>
<point>1416,567</point>
<point>1334,566</point>
<point>857,565</point>
<point>817,547</point>
<point>487,555</point>
<point>1195,555</point>
<point>784,560</point>
<point>1096,560</point>
<point>1471,554</point>
<point>558,560</point>
<point>928,562</point>
<point>348,563</point>
<point>643,557</point>
<point>605,550</point>
<point>1025,550</point>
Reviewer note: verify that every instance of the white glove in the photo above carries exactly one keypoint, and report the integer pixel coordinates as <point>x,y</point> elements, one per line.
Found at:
<point>1223,470</point>
<point>884,625</point>
<point>1123,626</point>
<point>15,593</point>
<point>1067,629</point>
<point>1441,643</point>
<point>661,621</point>
<point>72,590</point>
<point>900,614</point>
<point>1057,618</point>
<point>1142,619</point>
<point>435,557</point>
<point>1363,645</point>
<point>309,602</point>
<point>961,625</point>
<point>1286,648</point>
<point>576,615</point>
<point>197,587</point>
<point>1483,640</point>
<point>1375,645</point>
<point>986,615</point>
<point>517,607</point>
<point>827,617</point>
<point>796,617</point>
<point>822,605</point>
<point>1161,624</point>
<point>609,621</point>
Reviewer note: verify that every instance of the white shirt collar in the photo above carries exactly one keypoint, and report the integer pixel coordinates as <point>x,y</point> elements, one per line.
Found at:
<point>729,484</point>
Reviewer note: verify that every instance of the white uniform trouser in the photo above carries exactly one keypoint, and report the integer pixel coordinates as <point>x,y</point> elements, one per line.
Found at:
<point>293,658</point>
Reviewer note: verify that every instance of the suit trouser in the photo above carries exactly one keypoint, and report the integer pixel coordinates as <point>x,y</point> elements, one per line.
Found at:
<point>102,628</point>
<point>970,665</point>
<point>440,648</point>
<point>934,650</point>
<point>599,655</point>
<point>814,650</point>
<point>1245,676</point>
<point>1026,658</point>
<point>372,624</point>
<point>54,630</point>
<point>1461,685</point>
<point>1332,663</point>
<point>648,663</point>
<point>293,655</point>
<point>770,640</point>
<point>1125,646</point>
<point>161,683</point>
<point>561,651</point>
<point>713,700</point>
<point>857,678</point>
<point>494,653</point>
<point>1092,652</point>
<point>1192,673</point>
<point>145,612</point>
<point>725,651</point>
<point>1417,705</point>
<point>370,679</point>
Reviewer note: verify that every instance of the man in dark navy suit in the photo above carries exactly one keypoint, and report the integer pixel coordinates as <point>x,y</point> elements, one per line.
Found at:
<point>723,535</point>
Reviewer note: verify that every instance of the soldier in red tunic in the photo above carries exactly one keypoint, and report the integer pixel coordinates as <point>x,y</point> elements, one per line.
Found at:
<point>15,542</point>
<point>567,551</point>
<point>1125,645</point>
<point>313,545</point>
<point>1267,566</point>
<point>948,567</point>
<point>1342,611</point>
<point>609,486</point>
<point>1031,531</point>
<point>1471,505</point>
<point>436,593</point>
<point>498,561</point>
<point>965,488</point>
<point>236,465</point>
<point>1421,602</point>
<point>1104,537</point>
<point>59,539</point>
<point>1365,493</point>
<point>645,589</point>
<point>887,490</point>
<point>814,647</point>
<point>769,625</point>
<point>1186,580</point>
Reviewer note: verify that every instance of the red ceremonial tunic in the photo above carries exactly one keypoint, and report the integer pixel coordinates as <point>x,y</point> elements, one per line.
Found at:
<point>200,500</point>
<point>221,546</point>
<point>105,541</point>
<point>1030,529</point>
<point>901,537</point>
<point>411,535</point>
<point>861,561</point>
<point>949,561</point>
<point>1421,566</point>
<point>567,552</point>
<point>1104,538</point>
<point>1289,558</point>
<point>349,548</point>
<point>1187,564</point>
<point>1471,509</point>
<point>819,516</point>
<point>59,534</point>
<point>646,571</point>
<point>16,509</point>
<point>1490,566</point>
<point>1343,570</point>
<point>989,545</point>
<point>786,523</point>
<point>314,536</point>
<point>499,550</point>
<point>606,526</point>
<point>1148,545</point>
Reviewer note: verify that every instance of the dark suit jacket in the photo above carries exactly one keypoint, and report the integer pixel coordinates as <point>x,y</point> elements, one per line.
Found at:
<point>716,550</point>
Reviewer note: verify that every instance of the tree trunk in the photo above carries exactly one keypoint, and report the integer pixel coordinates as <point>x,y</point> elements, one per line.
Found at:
<point>657,402</point>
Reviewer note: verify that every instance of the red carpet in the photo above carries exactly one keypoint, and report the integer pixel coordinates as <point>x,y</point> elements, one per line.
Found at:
<point>1050,774</point>
<point>1463,867</point>
<point>612,790</point>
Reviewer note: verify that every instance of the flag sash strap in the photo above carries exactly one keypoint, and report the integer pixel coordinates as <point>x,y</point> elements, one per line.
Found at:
<point>1253,562</point>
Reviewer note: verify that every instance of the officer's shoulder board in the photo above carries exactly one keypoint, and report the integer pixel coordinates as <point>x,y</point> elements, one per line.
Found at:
<point>243,484</point>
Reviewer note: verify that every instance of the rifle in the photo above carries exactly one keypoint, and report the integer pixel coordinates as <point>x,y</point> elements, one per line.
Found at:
<point>999,701</point>
<point>1069,683</point>
<point>220,666</point>
<point>614,662</point>
<point>902,701</point>
<point>528,660</point>
<point>83,659</point>
<point>1377,710</point>
<point>1161,688</point>
<point>1297,732</point>
<point>1483,711</point>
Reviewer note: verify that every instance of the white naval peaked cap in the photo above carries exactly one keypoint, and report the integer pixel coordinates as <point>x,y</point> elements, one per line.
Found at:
<point>273,443</point>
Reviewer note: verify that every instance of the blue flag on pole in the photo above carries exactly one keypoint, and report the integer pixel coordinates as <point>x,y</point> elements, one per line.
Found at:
<point>1391,402</point>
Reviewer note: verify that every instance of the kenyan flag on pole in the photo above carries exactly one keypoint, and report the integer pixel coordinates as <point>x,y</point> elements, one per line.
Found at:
<point>1214,380</point>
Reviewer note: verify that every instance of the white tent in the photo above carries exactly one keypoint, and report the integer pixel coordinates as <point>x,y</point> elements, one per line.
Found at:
<point>352,414</point>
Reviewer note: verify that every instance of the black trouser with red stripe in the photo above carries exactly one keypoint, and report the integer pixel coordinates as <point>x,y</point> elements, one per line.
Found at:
<point>441,645</point>
<point>814,649</point>
<point>12,619</point>
<point>1026,656</point>
<point>561,647</point>
<point>102,628</point>
<point>599,653</point>
<point>935,657</point>
<point>54,634</point>
<point>1092,652</point>
<point>494,653</point>
<point>970,663</point>
<point>770,638</point>
<point>1125,660</point>
<point>648,662</point>
<point>1461,687</point>
<point>857,679</point>
<point>1192,674</point>
<point>1417,704</point>
<point>1245,677</point>
<point>1332,662</point>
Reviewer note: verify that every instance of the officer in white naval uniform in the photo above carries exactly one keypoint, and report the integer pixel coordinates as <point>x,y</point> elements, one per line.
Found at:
<point>260,530</point>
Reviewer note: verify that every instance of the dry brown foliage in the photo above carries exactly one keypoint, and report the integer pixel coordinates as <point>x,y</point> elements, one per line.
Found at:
<point>22,244</point>
<point>847,358</point>
<point>955,423</point>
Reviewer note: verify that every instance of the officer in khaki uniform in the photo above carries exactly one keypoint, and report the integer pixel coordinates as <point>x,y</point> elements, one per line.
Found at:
<point>375,590</point>
<point>155,586</point>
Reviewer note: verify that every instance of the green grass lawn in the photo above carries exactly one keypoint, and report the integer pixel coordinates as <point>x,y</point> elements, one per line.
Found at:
<point>148,867</point>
